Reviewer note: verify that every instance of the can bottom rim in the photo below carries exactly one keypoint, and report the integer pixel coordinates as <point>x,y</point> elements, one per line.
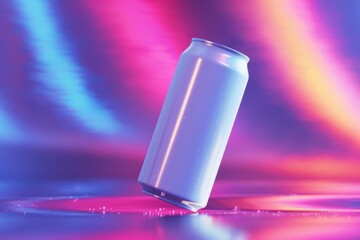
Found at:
<point>170,198</point>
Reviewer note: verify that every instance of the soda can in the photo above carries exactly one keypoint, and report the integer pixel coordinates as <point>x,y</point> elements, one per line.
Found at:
<point>194,125</point>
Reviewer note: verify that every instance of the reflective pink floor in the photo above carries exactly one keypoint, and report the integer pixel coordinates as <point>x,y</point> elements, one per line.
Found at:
<point>237,210</point>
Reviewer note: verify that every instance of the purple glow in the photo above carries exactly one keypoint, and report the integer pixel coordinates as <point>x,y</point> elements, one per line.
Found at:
<point>82,84</point>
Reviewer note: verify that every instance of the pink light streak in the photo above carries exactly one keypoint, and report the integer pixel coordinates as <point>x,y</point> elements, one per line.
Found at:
<point>141,45</point>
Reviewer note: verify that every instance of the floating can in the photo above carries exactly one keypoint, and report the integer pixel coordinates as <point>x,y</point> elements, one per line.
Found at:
<point>194,125</point>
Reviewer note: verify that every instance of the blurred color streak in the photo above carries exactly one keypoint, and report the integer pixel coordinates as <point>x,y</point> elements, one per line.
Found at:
<point>314,78</point>
<point>278,187</point>
<point>141,43</point>
<point>9,132</point>
<point>57,69</point>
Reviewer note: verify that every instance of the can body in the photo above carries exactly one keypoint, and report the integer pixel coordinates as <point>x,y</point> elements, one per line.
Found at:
<point>195,124</point>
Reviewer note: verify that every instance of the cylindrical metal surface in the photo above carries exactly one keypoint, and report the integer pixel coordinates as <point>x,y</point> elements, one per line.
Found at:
<point>195,124</point>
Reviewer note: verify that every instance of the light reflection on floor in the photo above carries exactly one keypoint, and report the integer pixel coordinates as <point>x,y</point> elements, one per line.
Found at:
<point>108,209</point>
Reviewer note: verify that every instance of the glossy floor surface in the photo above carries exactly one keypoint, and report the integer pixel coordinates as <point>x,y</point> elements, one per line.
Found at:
<point>113,209</point>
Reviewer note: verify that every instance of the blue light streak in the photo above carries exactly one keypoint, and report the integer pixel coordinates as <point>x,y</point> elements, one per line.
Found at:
<point>58,70</point>
<point>8,129</point>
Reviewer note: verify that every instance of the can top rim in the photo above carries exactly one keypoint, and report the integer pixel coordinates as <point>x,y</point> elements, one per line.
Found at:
<point>210,43</point>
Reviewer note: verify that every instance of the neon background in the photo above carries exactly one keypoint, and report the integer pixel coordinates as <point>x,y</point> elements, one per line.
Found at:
<point>82,84</point>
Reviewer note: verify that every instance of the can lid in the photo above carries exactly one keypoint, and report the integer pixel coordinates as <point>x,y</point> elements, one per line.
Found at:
<point>210,43</point>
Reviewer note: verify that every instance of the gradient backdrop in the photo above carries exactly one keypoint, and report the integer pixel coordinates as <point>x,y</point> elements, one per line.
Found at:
<point>82,84</point>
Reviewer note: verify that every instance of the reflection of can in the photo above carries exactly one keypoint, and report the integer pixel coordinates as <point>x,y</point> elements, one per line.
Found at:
<point>195,124</point>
